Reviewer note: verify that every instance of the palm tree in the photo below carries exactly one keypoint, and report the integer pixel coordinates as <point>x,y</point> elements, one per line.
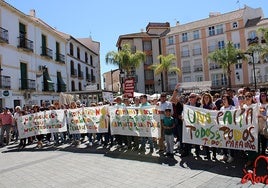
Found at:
<point>227,57</point>
<point>164,67</point>
<point>125,58</point>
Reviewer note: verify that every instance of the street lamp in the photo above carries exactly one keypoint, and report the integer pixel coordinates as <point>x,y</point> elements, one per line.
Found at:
<point>254,71</point>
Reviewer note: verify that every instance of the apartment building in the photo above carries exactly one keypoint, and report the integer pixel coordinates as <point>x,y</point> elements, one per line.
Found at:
<point>192,42</point>
<point>36,60</point>
<point>149,43</point>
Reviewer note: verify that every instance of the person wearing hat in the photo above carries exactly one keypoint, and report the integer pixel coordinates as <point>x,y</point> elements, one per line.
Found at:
<point>6,125</point>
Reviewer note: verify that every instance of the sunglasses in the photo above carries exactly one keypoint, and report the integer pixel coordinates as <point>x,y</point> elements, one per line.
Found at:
<point>192,97</point>
<point>248,96</point>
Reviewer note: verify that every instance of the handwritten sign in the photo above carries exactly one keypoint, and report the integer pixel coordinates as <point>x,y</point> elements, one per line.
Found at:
<point>88,120</point>
<point>234,129</point>
<point>143,122</point>
<point>41,123</point>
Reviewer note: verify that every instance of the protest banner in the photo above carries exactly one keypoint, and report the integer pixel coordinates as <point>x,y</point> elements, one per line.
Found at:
<point>88,120</point>
<point>233,129</point>
<point>142,122</point>
<point>41,123</point>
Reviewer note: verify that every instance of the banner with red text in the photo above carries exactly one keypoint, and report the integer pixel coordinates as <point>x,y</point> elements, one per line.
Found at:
<point>233,129</point>
<point>142,122</point>
<point>41,123</point>
<point>88,120</point>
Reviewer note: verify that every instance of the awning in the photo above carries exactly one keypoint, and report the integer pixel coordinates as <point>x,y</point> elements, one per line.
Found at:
<point>47,77</point>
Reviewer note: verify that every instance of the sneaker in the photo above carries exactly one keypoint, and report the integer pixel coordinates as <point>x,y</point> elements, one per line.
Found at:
<point>230,159</point>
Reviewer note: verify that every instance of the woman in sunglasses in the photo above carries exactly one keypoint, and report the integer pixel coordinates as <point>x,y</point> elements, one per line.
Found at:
<point>227,104</point>
<point>251,155</point>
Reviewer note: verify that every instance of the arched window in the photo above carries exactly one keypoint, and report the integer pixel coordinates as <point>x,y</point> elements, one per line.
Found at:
<point>71,49</point>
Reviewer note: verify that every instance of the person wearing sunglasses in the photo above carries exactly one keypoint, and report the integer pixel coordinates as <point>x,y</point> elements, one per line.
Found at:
<point>251,155</point>
<point>227,104</point>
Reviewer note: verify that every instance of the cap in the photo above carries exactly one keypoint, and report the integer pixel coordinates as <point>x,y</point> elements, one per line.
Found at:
<point>167,110</point>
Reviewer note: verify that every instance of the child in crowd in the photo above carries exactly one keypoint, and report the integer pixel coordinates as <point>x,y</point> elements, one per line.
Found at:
<point>168,125</point>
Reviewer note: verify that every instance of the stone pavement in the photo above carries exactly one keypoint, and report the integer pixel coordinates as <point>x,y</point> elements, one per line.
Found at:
<point>84,166</point>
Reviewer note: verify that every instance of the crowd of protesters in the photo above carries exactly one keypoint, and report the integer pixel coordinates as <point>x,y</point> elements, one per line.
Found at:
<point>171,110</point>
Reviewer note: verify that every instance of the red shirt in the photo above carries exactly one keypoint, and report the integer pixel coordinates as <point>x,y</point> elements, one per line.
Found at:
<point>7,118</point>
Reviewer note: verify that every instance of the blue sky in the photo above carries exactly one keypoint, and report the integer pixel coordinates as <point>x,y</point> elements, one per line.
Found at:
<point>106,20</point>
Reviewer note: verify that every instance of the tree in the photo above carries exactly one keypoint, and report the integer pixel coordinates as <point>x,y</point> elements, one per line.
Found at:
<point>227,57</point>
<point>264,42</point>
<point>164,67</point>
<point>125,58</point>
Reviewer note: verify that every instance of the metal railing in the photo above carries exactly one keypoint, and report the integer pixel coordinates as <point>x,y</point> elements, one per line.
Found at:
<point>46,52</point>
<point>25,43</point>
<point>3,35</point>
<point>5,82</point>
<point>27,84</point>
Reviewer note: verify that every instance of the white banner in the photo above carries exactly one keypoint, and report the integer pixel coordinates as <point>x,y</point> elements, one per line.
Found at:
<point>41,123</point>
<point>233,129</point>
<point>142,122</point>
<point>88,120</point>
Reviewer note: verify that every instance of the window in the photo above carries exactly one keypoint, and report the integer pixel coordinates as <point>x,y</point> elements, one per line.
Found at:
<point>237,45</point>
<point>91,60</point>
<point>252,34</point>
<point>219,29</point>
<point>71,49</point>
<point>171,51</point>
<point>235,25</point>
<point>211,31</point>
<point>86,57</point>
<point>221,44</point>
<point>187,79</point>
<point>78,53</point>
<point>148,74</point>
<point>184,37</point>
<point>73,86</point>
<point>238,66</point>
<point>199,78</point>
<point>196,34</point>
<point>149,60</point>
<point>170,40</point>
<point>147,45</point>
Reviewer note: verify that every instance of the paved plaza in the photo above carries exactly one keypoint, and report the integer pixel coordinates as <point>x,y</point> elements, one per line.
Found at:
<point>84,166</point>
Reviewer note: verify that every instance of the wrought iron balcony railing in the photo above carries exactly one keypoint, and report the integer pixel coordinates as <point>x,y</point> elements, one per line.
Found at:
<point>3,35</point>
<point>27,84</point>
<point>25,43</point>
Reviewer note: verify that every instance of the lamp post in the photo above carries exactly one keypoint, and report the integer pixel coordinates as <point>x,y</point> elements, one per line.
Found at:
<point>254,71</point>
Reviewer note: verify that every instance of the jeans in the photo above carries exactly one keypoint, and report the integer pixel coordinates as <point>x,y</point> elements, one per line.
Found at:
<point>5,128</point>
<point>170,143</point>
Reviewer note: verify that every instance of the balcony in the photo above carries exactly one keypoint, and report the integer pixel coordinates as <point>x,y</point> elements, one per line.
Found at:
<point>46,52</point>
<point>93,79</point>
<point>3,35</point>
<point>25,44</point>
<point>185,53</point>
<point>254,40</point>
<point>198,68</point>
<point>5,82</point>
<point>213,66</point>
<point>219,83</point>
<point>197,51</point>
<point>61,87</point>
<point>60,58</point>
<point>80,75</point>
<point>73,72</point>
<point>27,84</point>
<point>186,69</point>
<point>48,86</point>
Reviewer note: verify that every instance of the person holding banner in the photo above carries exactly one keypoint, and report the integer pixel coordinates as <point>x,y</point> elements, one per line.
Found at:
<point>251,155</point>
<point>187,147</point>
<point>207,103</point>
<point>144,102</point>
<point>228,154</point>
